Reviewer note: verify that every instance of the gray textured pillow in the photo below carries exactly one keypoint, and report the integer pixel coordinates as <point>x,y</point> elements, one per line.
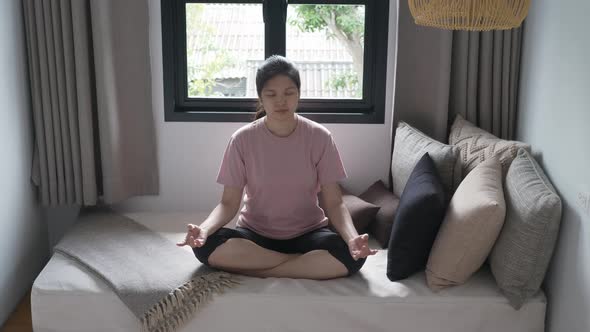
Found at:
<point>521,255</point>
<point>410,145</point>
<point>387,202</point>
<point>477,145</point>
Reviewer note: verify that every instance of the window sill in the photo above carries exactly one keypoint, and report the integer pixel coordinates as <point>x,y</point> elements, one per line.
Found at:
<point>369,118</point>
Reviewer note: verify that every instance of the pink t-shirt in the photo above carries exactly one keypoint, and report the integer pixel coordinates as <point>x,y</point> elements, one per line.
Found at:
<point>282,176</point>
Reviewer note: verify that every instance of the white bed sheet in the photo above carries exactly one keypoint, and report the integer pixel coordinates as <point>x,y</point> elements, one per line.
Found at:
<point>65,298</point>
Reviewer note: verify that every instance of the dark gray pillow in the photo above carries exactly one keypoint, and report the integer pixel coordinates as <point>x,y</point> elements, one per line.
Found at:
<point>387,202</point>
<point>362,212</point>
<point>521,255</point>
<point>420,213</point>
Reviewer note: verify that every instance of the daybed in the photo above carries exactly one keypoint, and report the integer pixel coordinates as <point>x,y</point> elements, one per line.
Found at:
<point>66,298</point>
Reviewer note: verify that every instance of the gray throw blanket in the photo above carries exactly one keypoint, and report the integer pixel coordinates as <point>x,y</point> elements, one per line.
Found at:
<point>162,284</point>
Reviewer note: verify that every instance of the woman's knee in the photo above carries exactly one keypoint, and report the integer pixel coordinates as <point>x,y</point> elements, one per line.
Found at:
<point>213,242</point>
<point>331,242</point>
<point>355,265</point>
<point>338,248</point>
<point>218,256</point>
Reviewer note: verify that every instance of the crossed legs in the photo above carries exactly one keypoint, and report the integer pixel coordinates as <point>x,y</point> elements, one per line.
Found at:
<point>246,257</point>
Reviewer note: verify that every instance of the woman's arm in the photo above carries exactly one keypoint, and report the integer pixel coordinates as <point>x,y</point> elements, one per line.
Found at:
<point>337,211</point>
<point>342,221</point>
<point>225,211</point>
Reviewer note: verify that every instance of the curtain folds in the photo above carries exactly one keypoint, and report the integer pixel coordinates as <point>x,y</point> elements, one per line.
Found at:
<point>442,73</point>
<point>90,77</point>
<point>484,79</point>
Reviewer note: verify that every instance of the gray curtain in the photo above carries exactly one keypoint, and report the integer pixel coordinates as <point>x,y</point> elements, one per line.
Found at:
<point>90,77</point>
<point>484,79</point>
<point>441,73</point>
<point>422,78</point>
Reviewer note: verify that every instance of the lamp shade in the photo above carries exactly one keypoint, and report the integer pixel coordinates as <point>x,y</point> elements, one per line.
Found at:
<point>471,15</point>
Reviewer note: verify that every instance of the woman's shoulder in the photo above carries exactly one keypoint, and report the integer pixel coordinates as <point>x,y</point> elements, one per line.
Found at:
<point>316,129</point>
<point>248,129</point>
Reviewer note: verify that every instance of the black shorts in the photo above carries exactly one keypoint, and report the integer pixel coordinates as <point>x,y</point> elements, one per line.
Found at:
<point>322,238</point>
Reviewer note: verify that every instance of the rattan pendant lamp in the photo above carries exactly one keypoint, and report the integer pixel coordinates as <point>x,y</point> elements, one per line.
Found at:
<point>471,15</point>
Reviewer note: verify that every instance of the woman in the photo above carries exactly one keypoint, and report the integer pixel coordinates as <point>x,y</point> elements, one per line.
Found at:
<point>282,160</point>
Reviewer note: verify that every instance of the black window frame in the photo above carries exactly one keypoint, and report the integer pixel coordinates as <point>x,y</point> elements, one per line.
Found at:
<point>179,108</point>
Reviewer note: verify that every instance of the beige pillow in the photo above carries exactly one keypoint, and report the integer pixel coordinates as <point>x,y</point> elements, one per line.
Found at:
<point>477,145</point>
<point>471,226</point>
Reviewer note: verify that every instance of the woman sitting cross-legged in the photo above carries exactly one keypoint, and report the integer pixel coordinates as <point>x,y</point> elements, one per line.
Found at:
<point>282,160</point>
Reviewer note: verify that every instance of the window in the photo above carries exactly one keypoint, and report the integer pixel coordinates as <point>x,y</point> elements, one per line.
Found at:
<point>211,51</point>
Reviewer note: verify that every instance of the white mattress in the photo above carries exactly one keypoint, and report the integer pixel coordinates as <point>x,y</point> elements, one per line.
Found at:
<point>65,298</point>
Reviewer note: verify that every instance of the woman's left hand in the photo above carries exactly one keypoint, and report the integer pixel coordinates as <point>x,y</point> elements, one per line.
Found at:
<point>359,247</point>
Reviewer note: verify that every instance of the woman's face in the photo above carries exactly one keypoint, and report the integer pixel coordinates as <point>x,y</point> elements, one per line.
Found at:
<point>280,97</point>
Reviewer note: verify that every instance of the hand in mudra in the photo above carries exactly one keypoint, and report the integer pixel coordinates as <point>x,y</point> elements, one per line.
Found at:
<point>195,237</point>
<point>359,247</point>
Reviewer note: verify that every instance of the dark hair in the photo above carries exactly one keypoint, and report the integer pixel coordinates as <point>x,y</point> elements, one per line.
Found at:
<point>274,65</point>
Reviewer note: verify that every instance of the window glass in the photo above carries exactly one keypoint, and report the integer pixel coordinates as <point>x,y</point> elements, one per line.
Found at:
<point>326,42</point>
<point>225,44</point>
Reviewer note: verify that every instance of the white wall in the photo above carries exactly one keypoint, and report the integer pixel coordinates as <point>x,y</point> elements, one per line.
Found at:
<point>554,116</point>
<point>190,152</point>
<point>23,233</point>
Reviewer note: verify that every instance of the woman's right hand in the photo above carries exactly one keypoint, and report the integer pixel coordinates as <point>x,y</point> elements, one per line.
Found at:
<point>195,237</point>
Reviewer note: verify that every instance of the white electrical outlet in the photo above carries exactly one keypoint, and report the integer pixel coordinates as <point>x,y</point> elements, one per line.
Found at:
<point>584,201</point>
